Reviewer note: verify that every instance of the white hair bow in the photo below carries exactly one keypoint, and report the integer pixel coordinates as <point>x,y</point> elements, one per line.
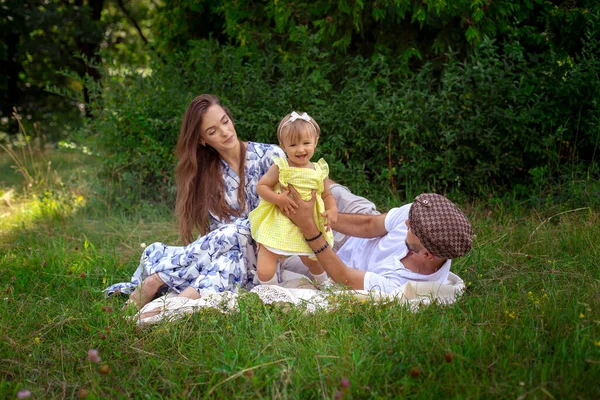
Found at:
<point>296,116</point>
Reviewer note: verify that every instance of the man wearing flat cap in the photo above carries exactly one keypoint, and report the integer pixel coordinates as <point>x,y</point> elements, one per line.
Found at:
<point>415,242</point>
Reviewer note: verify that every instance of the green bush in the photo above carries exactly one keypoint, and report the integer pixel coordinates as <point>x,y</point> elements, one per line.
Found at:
<point>484,124</point>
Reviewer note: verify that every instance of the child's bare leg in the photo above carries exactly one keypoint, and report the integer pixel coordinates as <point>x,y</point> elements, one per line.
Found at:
<point>266,266</point>
<point>146,291</point>
<point>315,268</point>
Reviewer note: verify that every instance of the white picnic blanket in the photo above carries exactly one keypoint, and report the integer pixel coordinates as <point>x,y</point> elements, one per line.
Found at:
<point>302,294</point>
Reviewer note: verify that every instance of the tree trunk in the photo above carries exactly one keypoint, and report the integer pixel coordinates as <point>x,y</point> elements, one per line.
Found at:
<point>89,47</point>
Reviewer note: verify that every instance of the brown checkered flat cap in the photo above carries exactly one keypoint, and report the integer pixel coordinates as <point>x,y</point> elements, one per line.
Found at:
<point>440,226</point>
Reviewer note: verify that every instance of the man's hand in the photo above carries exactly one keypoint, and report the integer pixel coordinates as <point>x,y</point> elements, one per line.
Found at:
<point>335,268</point>
<point>303,215</point>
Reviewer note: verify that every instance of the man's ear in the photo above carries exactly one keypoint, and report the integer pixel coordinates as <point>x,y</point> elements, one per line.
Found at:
<point>428,255</point>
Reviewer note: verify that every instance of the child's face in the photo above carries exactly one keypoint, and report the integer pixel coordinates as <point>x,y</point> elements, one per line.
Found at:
<point>299,148</point>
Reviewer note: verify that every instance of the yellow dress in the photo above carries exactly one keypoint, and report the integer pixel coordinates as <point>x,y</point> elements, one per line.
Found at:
<point>271,228</point>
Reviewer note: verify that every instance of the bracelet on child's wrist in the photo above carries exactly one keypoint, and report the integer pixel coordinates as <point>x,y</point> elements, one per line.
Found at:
<point>314,238</point>
<point>322,249</point>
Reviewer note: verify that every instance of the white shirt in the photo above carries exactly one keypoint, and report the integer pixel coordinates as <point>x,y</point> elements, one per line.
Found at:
<point>380,257</point>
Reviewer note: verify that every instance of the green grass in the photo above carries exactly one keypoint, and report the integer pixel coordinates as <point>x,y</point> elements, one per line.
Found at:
<point>528,325</point>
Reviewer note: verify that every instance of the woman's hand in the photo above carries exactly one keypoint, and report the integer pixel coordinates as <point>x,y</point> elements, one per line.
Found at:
<point>331,216</point>
<point>285,203</point>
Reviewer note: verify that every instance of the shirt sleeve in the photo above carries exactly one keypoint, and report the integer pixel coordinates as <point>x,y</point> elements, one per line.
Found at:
<point>396,217</point>
<point>277,151</point>
<point>373,281</point>
<point>270,151</point>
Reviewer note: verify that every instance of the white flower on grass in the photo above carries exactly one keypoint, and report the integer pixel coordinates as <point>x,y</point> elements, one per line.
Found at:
<point>93,356</point>
<point>143,245</point>
<point>23,394</point>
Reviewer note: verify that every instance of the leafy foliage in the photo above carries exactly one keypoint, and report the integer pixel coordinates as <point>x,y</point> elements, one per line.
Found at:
<point>412,95</point>
<point>415,30</point>
<point>42,38</point>
<point>491,120</point>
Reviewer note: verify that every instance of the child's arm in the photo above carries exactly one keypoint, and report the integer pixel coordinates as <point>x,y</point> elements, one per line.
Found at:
<point>331,211</point>
<point>265,186</point>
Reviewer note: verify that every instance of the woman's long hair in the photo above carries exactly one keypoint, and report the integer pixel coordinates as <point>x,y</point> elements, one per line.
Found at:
<point>199,178</point>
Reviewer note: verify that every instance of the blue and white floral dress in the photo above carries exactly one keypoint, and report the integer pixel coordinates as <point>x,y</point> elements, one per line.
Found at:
<point>223,259</point>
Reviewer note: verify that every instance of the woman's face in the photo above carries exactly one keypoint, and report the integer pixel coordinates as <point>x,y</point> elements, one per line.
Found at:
<point>217,130</point>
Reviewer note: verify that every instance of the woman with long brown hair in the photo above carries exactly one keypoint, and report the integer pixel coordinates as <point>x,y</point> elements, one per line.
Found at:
<point>216,179</point>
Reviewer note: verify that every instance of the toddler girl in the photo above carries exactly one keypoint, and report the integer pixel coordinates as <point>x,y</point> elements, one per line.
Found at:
<point>277,236</point>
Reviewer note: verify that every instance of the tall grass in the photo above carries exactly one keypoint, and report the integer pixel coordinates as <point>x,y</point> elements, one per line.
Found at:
<point>528,325</point>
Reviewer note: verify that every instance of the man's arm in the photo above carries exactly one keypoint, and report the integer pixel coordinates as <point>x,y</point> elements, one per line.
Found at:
<point>335,268</point>
<point>361,225</point>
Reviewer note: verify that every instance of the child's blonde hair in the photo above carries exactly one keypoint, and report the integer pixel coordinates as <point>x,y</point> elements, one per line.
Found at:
<point>295,124</point>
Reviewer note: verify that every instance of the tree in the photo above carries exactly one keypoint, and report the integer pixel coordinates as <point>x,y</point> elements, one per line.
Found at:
<point>41,38</point>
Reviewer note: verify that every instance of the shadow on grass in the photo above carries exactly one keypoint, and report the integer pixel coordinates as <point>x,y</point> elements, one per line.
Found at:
<point>40,187</point>
<point>59,213</point>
